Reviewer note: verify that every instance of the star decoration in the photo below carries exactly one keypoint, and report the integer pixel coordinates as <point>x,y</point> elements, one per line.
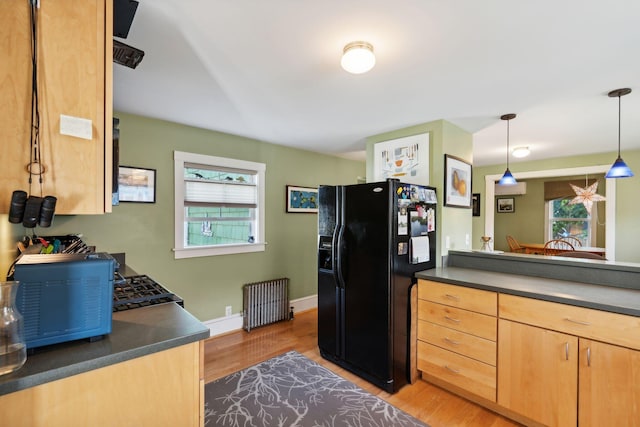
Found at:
<point>586,196</point>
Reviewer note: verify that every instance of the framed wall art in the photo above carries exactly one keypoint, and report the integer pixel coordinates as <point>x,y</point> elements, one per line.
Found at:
<point>302,199</point>
<point>475,204</point>
<point>136,184</point>
<point>505,205</point>
<point>457,182</point>
<point>406,159</point>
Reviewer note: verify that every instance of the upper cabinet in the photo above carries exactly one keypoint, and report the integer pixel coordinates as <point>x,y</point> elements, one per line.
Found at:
<point>74,62</point>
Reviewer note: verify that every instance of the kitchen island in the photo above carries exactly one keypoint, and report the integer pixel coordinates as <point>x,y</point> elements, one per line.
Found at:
<point>147,371</point>
<point>567,331</point>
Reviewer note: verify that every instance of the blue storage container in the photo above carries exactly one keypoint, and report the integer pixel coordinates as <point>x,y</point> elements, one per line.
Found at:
<point>65,297</point>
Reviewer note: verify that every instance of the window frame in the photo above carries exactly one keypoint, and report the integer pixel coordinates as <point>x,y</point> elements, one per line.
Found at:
<point>180,250</point>
<point>591,219</point>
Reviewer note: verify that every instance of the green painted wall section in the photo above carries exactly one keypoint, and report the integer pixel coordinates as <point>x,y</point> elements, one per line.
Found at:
<point>145,232</point>
<point>444,138</point>
<point>627,202</point>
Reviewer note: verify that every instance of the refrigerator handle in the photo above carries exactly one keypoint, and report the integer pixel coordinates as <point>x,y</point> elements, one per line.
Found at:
<point>338,252</point>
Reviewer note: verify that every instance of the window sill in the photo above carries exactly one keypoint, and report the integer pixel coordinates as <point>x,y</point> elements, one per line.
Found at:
<point>180,253</point>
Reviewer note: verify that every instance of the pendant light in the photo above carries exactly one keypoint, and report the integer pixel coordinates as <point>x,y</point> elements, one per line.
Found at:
<point>507,178</point>
<point>619,169</point>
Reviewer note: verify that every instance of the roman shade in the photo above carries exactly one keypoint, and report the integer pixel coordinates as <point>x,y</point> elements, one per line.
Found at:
<point>561,189</point>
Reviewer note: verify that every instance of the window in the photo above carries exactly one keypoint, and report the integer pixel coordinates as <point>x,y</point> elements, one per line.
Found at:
<point>219,205</point>
<point>565,220</point>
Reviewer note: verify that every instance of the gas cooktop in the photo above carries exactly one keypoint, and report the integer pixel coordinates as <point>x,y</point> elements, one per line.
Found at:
<point>140,291</point>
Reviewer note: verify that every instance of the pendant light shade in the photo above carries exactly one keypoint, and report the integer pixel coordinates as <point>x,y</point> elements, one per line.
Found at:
<point>507,178</point>
<point>358,57</point>
<point>619,169</point>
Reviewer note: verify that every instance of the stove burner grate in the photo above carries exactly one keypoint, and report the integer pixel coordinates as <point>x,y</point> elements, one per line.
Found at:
<point>140,291</point>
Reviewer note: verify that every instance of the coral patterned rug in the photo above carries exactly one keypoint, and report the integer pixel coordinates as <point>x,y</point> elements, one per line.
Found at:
<point>292,390</point>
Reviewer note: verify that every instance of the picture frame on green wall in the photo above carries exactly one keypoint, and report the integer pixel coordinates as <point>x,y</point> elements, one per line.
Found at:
<point>302,199</point>
<point>475,204</point>
<point>136,184</point>
<point>457,182</point>
<point>505,205</point>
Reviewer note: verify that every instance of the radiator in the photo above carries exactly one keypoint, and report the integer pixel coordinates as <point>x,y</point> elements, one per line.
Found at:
<point>265,302</point>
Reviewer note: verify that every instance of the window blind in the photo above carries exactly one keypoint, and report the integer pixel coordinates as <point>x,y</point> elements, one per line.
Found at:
<point>212,193</point>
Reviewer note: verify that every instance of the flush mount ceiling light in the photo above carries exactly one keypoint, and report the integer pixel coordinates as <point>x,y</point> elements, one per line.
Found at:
<point>619,169</point>
<point>507,178</point>
<point>520,152</point>
<point>358,57</point>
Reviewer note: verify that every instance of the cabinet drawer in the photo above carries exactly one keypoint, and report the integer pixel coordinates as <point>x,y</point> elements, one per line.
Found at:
<point>470,322</point>
<point>468,374</point>
<point>465,344</point>
<point>485,302</point>
<point>599,325</point>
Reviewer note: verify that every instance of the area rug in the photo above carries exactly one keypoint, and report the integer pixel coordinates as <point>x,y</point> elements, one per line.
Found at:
<point>292,390</point>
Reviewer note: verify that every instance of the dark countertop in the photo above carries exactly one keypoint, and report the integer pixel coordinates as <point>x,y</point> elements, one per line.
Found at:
<point>135,333</point>
<point>600,297</point>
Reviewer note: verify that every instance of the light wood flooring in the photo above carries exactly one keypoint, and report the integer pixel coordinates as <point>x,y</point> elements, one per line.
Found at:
<point>238,350</point>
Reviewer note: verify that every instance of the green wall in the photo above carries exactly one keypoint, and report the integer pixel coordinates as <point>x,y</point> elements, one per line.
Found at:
<point>145,232</point>
<point>627,202</point>
<point>444,138</point>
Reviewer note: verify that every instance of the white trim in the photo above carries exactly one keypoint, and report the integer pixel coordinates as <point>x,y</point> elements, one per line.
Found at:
<point>610,206</point>
<point>223,325</point>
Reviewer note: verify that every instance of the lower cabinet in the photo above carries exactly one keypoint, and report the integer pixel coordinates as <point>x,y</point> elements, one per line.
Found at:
<point>609,392</point>
<point>164,388</point>
<point>557,364</point>
<point>457,336</point>
<point>538,373</point>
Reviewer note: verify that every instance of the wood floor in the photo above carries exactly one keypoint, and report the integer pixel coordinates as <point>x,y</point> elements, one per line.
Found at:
<point>237,350</point>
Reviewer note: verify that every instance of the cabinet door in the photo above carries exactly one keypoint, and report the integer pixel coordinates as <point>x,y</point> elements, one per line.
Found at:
<point>609,385</point>
<point>74,79</point>
<point>538,373</point>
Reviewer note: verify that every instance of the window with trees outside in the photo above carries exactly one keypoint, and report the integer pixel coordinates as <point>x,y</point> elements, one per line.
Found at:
<point>219,205</point>
<point>565,220</point>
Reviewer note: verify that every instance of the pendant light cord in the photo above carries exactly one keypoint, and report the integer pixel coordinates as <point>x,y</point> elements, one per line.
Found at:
<point>508,143</point>
<point>619,122</point>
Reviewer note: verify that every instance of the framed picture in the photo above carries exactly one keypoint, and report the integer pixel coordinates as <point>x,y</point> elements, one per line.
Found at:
<point>136,184</point>
<point>457,182</point>
<point>506,205</point>
<point>475,204</point>
<point>302,199</point>
<point>406,159</point>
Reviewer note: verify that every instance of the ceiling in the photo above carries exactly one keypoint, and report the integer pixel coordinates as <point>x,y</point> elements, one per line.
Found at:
<point>270,70</point>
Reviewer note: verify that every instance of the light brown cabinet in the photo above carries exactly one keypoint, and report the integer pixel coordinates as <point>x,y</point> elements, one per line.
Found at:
<point>457,333</point>
<point>74,79</point>
<point>609,392</point>
<point>538,373</point>
<point>164,388</point>
<point>555,367</point>
<point>538,362</point>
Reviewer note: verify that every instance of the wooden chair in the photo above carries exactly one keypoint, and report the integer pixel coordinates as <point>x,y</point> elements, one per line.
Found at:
<point>514,246</point>
<point>573,240</point>
<point>581,254</point>
<point>557,246</point>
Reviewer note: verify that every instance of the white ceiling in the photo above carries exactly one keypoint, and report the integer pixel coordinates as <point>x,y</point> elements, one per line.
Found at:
<point>270,70</point>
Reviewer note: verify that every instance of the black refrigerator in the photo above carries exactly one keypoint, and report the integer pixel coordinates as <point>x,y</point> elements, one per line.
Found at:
<point>372,238</point>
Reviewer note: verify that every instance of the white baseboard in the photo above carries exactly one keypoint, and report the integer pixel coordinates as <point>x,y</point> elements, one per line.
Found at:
<point>225,324</point>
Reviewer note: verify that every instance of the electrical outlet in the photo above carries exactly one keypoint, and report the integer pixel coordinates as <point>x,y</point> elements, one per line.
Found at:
<point>227,311</point>
<point>466,240</point>
<point>447,242</point>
